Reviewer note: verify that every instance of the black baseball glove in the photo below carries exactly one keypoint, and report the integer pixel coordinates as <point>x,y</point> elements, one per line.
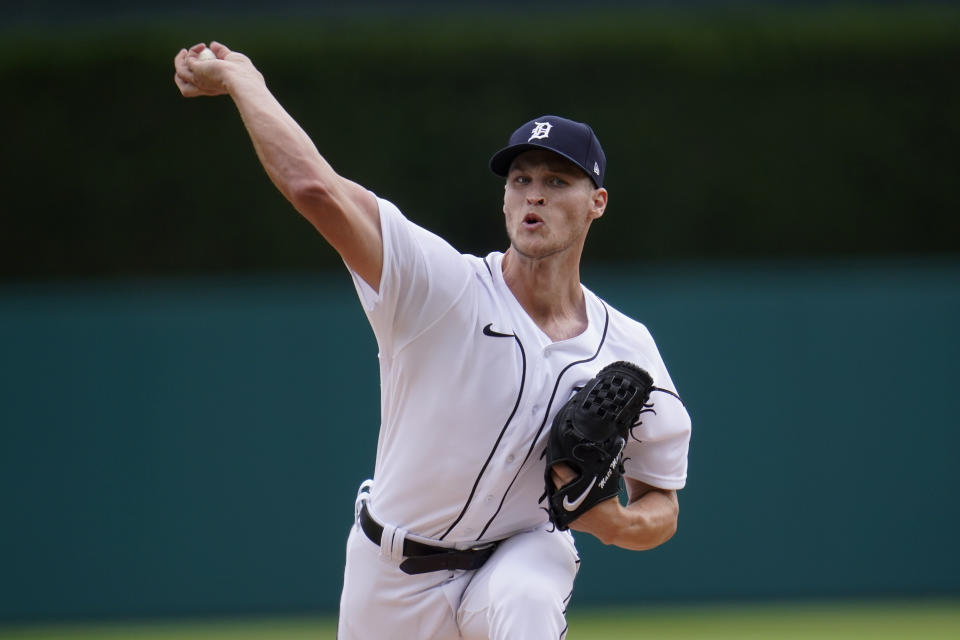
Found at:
<point>588,434</point>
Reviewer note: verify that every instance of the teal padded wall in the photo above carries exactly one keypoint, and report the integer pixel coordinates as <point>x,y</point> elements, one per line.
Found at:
<point>176,447</point>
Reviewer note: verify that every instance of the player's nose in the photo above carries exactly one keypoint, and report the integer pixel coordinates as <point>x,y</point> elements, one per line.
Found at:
<point>535,200</point>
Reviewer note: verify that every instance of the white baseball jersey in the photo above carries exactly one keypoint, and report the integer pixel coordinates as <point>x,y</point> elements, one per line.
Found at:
<point>470,386</point>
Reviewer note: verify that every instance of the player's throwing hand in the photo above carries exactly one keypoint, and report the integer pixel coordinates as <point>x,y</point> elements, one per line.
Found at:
<point>197,76</point>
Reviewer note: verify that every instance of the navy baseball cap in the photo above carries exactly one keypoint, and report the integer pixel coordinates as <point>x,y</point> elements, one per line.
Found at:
<point>575,141</point>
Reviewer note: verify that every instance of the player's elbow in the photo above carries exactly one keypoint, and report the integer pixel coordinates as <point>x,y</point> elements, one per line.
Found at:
<point>332,206</point>
<point>310,196</point>
<point>670,529</point>
<point>324,206</point>
<point>671,520</point>
<point>658,527</point>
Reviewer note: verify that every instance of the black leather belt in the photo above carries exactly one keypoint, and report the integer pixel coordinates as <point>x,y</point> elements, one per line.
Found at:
<point>424,558</point>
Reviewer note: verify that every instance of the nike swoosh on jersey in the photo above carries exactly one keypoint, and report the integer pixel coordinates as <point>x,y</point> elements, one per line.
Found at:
<point>493,333</point>
<point>572,505</point>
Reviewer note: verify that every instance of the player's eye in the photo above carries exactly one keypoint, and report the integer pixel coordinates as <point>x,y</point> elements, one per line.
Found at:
<point>557,181</point>
<point>522,180</point>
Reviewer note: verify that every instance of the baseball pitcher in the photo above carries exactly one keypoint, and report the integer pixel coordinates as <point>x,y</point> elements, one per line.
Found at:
<point>515,402</point>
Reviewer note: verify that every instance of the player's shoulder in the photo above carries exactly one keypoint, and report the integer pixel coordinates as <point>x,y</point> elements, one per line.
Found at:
<point>399,229</point>
<point>487,270</point>
<point>396,226</point>
<point>483,266</point>
<point>621,320</point>
<point>627,338</point>
<point>622,326</point>
<point>631,340</point>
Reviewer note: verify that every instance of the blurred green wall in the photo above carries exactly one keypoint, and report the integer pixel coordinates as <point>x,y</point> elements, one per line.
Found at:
<point>194,447</point>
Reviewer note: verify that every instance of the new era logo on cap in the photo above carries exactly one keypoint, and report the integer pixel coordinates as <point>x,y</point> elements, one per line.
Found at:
<point>573,140</point>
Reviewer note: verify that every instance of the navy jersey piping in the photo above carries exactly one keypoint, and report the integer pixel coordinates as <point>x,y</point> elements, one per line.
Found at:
<point>533,443</point>
<point>489,331</point>
<point>523,376</point>
<point>487,265</point>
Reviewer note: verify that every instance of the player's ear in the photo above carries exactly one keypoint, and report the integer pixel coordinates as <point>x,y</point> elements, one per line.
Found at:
<point>598,202</point>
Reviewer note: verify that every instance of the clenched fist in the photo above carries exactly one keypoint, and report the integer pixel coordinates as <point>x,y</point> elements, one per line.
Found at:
<point>196,76</point>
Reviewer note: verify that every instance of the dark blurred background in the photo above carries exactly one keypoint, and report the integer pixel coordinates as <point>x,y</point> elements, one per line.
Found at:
<point>783,185</point>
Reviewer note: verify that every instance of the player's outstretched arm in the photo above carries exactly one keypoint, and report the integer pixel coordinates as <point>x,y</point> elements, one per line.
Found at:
<point>345,213</point>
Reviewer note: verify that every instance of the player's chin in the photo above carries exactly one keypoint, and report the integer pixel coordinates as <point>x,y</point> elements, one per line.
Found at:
<point>532,244</point>
<point>533,252</point>
<point>539,248</point>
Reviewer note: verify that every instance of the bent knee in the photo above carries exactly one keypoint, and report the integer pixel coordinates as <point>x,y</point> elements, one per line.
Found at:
<point>537,596</point>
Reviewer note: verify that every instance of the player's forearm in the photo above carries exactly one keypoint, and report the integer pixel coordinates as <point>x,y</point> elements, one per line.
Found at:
<point>648,522</point>
<point>345,213</point>
<point>286,152</point>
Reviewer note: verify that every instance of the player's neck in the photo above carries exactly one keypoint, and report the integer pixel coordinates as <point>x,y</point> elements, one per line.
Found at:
<point>549,291</point>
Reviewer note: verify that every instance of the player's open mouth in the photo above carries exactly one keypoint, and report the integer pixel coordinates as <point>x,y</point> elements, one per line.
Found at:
<point>532,220</point>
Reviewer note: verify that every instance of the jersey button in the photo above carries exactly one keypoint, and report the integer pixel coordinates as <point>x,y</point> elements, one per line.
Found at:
<point>510,458</point>
<point>490,499</point>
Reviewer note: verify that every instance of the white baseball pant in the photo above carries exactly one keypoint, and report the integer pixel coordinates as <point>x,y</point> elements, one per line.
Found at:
<point>520,592</point>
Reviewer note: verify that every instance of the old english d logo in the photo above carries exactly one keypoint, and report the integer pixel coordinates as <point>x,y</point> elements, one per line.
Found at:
<point>540,131</point>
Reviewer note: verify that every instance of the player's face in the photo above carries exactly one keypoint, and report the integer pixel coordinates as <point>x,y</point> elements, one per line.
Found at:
<point>549,204</point>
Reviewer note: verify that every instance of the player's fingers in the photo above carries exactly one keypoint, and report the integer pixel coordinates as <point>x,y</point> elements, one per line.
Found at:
<point>180,63</point>
<point>186,77</point>
<point>180,60</point>
<point>194,66</point>
<point>562,475</point>
<point>183,77</point>
<point>187,89</point>
<point>197,48</point>
<point>557,482</point>
<point>219,49</point>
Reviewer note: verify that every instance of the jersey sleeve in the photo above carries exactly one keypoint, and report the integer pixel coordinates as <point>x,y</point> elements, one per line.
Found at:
<point>657,448</point>
<point>657,451</point>
<point>421,280</point>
